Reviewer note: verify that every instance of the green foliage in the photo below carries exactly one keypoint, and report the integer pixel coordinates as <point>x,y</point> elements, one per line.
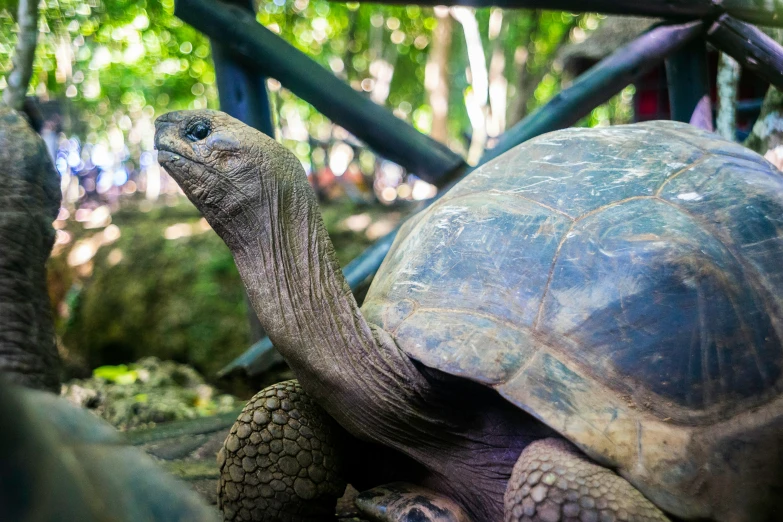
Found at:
<point>119,374</point>
<point>116,64</point>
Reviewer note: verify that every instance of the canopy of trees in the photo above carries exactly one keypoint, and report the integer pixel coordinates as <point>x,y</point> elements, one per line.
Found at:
<point>112,66</point>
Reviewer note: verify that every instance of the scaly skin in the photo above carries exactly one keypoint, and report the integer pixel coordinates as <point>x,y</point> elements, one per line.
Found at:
<point>463,438</point>
<point>405,502</point>
<point>552,481</point>
<point>283,453</point>
<point>30,199</point>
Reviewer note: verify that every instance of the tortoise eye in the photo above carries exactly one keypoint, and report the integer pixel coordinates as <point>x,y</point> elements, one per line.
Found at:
<point>198,130</point>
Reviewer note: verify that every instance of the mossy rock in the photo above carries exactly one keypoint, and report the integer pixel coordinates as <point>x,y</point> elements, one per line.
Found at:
<point>177,299</point>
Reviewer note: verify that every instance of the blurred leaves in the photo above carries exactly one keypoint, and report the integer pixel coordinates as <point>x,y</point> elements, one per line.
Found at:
<point>119,374</point>
<point>118,63</point>
<point>115,64</point>
<point>148,392</point>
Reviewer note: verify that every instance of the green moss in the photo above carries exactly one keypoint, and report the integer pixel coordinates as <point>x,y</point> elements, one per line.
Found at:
<point>176,299</point>
<point>148,392</point>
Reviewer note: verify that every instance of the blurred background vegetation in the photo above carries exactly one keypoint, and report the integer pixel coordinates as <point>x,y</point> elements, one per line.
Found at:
<point>135,271</point>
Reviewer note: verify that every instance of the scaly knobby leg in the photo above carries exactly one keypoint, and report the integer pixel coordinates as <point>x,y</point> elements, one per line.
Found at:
<point>282,460</point>
<point>552,481</point>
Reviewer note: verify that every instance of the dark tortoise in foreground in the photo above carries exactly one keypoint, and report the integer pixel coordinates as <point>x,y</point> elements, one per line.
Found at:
<point>60,463</point>
<point>586,328</point>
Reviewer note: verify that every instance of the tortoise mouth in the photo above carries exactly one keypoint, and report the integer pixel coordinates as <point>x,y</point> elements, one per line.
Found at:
<point>170,153</point>
<point>166,157</point>
<point>176,165</point>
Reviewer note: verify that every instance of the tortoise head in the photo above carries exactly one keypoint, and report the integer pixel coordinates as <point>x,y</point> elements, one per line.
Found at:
<point>220,163</point>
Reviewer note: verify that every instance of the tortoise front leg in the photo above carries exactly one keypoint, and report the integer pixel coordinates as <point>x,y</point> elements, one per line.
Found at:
<point>552,481</point>
<point>281,460</point>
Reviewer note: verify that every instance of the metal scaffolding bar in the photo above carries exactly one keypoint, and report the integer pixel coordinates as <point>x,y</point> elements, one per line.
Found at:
<point>754,50</point>
<point>762,12</point>
<point>272,56</point>
<point>601,82</point>
<point>688,79</point>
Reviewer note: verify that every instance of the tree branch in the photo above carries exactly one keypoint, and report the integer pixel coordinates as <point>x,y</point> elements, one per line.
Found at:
<point>21,72</point>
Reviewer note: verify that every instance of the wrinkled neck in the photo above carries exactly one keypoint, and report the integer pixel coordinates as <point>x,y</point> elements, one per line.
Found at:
<point>353,369</point>
<point>295,284</point>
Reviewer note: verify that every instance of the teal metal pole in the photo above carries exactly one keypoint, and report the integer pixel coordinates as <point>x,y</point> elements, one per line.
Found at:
<point>754,50</point>
<point>688,80</point>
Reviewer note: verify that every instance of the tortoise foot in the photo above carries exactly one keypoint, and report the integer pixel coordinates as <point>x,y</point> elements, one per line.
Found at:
<point>281,461</point>
<point>552,481</point>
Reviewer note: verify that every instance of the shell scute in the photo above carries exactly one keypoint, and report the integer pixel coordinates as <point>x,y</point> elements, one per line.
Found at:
<point>576,171</point>
<point>656,303</point>
<point>741,203</point>
<point>497,252</point>
<point>462,340</point>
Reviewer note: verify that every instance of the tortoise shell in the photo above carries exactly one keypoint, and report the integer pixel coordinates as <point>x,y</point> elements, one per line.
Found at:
<point>623,285</point>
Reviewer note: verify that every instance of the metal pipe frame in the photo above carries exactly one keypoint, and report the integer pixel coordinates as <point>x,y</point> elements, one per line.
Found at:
<point>272,56</point>
<point>688,79</point>
<point>754,50</point>
<point>762,12</point>
<point>600,83</point>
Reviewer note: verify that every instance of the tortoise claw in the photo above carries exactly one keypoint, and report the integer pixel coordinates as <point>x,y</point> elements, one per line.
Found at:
<point>401,502</point>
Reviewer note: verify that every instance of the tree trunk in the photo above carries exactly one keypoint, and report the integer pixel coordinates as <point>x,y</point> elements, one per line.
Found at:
<point>767,135</point>
<point>436,77</point>
<point>528,78</point>
<point>498,84</point>
<point>728,83</point>
<point>475,98</point>
<point>29,202</point>
<point>766,138</point>
<point>19,77</point>
<point>518,108</point>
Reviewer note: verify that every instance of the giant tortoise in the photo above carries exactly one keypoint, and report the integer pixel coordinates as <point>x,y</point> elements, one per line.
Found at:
<point>586,328</point>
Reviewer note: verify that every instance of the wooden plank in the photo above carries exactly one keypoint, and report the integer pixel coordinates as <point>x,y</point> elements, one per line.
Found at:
<point>688,79</point>
<point>594,87</point>
<point>754,50</point>
<point>270,55</point>
<point>600,83</point>
<point>762,12</point>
